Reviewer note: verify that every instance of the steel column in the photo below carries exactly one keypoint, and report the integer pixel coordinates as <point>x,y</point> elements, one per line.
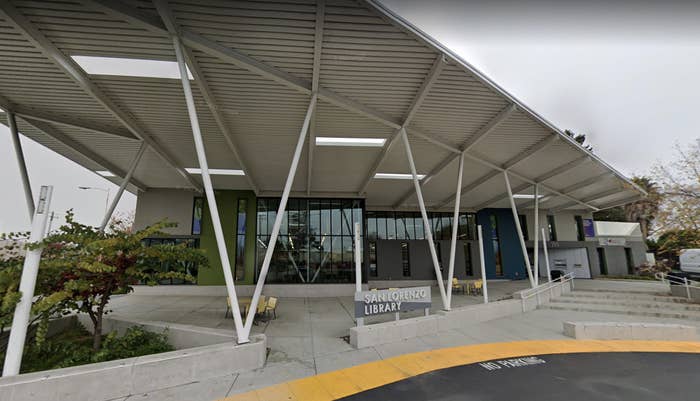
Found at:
<point>280,214</point>
<point>546,256</point>
<point>483,263</point>
<point>455,225</point>
<point>536,254</point>
<point>519,229</point>
<point>122,187</point>
<point>209,191</point>
<point>30,270</point>
<point>424,214</point>
<point>22,164</point>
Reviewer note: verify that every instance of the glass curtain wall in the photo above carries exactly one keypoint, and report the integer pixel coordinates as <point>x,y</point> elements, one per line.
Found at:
<point>315,243</point>
<point>409,226</point>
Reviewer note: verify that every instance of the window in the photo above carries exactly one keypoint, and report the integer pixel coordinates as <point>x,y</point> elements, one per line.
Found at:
<point>316,243</point>
<point>405,260</point>
<point>373,259</point>
<point>496,245</point>
<point>468,259</point>
<point>580,234</point>
<point>552,228</point>
<point>241,223</point>
<point>523,226</point>
<point>197,211</point>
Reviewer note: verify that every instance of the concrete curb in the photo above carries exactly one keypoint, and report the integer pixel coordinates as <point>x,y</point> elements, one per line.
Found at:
<point>629,331</point>
<point>124,377</point>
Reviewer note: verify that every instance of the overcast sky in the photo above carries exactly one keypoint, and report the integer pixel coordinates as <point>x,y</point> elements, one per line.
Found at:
<point>625,74</point>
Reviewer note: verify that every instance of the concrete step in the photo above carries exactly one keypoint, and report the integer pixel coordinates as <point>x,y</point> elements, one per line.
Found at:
<point>626,296</point>
<point>626,291</point>
<point>632,303</point>
<point>622,310</point>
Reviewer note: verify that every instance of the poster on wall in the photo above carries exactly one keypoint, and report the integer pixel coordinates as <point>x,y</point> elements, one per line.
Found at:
<point>588,228</point>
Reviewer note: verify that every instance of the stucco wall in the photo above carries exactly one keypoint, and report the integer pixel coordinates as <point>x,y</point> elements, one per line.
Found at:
<point>175,205</point>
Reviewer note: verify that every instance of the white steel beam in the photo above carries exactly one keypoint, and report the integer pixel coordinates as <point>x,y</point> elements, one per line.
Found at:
<point>422,93</point>
<point>241,334</point>
<point>470,187</point>
<point>466,147</point>
<point>67,121</point>
<point>622,202</point>
<point>591,198</point>
<point>280,215</point>
<point>21,163</point>
<point>73,70</point>
<point>482,263</point>
<point>530,151</point>
<point>562,169</point>
<point>590,181</point>
<point>500,197</point>
<point>27,284</point>
<point>198,75</point>
<point>519,229</point>
<point>315,77</point>
<point>455,225</point>
<point>125,181</point>
<point>536,247</point>
<point>426,223</point>
<point>83,150</point>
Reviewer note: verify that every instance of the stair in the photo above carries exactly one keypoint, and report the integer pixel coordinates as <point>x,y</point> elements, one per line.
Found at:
<point>636,303</point>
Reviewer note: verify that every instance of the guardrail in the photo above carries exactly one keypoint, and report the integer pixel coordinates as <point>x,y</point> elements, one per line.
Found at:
<point>687,283</point>
<point>548,286</point>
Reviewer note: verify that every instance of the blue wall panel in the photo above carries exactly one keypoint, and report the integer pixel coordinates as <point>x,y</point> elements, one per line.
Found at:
<point>511,254</point>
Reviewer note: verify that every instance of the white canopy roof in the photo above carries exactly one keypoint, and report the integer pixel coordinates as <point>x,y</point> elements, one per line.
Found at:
<point>254,65</point>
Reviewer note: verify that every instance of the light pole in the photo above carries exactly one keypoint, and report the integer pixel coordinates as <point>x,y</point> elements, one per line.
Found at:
<point>106,190</point>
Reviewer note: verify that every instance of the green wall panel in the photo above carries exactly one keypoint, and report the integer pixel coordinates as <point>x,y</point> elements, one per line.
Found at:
<point>227,202</point>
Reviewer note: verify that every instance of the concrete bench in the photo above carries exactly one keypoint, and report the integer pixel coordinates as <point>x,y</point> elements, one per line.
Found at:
<point>629,331</point>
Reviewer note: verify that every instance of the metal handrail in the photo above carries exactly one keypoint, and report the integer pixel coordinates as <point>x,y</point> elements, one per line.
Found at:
<point>547,286</point>
<point>686,282</point>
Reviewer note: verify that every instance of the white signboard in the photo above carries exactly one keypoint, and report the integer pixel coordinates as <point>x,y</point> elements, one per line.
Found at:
<point>370,303</point>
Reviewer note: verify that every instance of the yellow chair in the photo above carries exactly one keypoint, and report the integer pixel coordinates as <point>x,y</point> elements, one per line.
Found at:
<point>456,285</point>
<point>479,286</point>
<point>271,306</point>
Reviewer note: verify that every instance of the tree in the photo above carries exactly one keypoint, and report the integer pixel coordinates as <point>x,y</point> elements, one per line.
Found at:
<point>643,211</point>
<point>679,183</point>
<point>580,138</point>
<point>82,267</point>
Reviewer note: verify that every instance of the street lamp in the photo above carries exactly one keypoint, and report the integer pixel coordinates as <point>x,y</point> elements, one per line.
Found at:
<point>99,189</point>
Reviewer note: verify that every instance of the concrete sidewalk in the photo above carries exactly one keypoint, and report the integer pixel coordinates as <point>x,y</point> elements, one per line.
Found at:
<point>306,339</point>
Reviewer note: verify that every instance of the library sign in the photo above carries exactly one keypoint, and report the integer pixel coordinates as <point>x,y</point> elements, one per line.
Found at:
<point>370,303</point>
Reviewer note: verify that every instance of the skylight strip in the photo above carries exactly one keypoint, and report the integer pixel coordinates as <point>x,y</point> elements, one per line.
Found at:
<point>216,171</point>
<point>344,141</point>
<point>397,176</point>
<point>129,67</point>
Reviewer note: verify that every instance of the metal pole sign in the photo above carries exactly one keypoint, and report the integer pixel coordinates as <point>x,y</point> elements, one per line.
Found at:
<point>378,302</point>
<point>30,270</point>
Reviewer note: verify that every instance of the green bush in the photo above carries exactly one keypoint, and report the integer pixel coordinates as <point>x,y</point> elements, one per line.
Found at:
<point>73,347</point>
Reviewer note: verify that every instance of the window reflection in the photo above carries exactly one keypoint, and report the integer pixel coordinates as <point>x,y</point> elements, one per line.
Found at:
<point>315,244</point>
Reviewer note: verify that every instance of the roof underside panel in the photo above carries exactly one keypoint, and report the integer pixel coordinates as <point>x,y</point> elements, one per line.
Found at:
<point>457,106</point>
<point>368,60</point>
<point>280,34</point>
<point>368,57</point>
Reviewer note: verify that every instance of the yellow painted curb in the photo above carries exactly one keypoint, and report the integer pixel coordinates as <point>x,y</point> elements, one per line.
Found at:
<point>345,382</point>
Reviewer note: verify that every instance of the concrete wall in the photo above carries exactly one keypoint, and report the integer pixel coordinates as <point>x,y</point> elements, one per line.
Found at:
<point>124,377</point>
<point>387,332</point>
<point>157,204</point>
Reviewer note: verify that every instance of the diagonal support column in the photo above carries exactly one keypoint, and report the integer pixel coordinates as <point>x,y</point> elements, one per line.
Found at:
<point>519,229</point>
<point>209,191</point>
<point>455,225</point>
<point>537,237</point>
<point>14,133</point>
<point>122,187</point>
<point>426,224</point>
<point>280,215</point>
